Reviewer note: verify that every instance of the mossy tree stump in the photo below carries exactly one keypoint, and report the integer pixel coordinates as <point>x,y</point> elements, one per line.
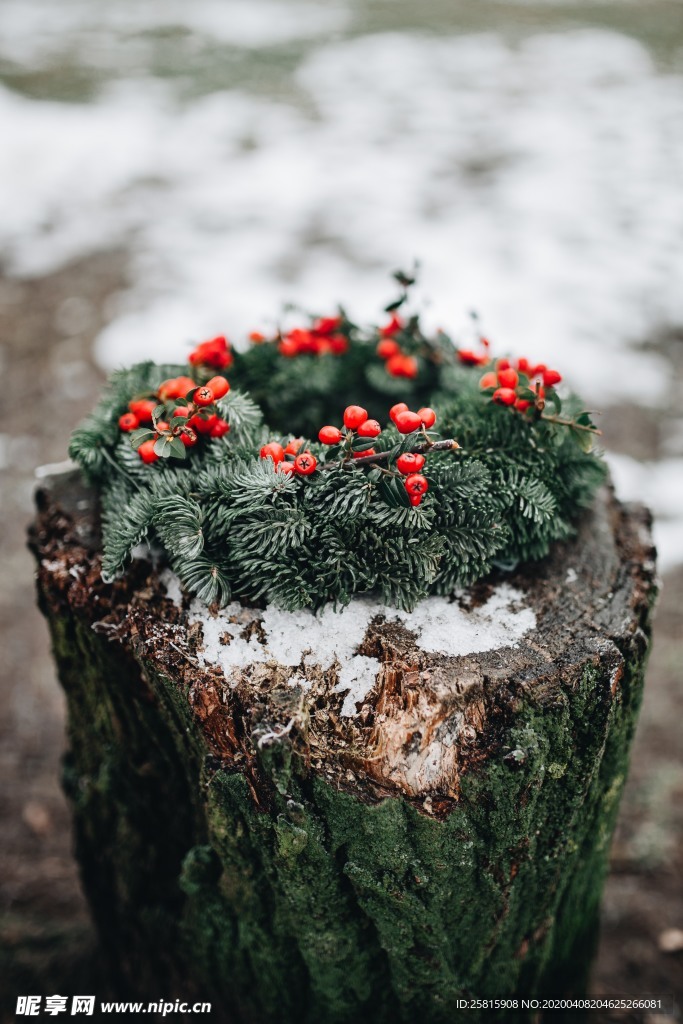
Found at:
<point>423,819</point>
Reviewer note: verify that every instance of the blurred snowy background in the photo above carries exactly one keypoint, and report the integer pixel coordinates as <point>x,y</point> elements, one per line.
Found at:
<point>174,170</point>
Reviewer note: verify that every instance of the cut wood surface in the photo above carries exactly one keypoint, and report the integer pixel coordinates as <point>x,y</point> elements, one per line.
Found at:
<point>364,815</point>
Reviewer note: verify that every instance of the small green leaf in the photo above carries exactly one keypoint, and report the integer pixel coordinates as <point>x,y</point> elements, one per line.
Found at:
<point>333,452</point>
<point>584,439</point>
<point>177,448</point>
<point>162,446</point>
<point>361,444</point>
<point>393,306</point>
<point>137,437</point>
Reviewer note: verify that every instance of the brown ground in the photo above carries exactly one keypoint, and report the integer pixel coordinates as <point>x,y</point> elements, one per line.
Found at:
<point>47,943</point>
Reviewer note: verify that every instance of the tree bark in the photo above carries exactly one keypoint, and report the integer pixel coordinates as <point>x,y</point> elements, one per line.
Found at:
<point>254,834</point>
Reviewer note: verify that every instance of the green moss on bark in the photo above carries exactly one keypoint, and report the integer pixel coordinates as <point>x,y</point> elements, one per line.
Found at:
<point>314,904</point>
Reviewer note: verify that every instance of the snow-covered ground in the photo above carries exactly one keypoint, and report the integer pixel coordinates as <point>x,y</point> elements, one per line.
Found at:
<point>253,153</point>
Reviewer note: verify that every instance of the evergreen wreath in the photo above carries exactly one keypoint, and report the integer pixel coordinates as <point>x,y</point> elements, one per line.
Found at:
<point>183,458</point>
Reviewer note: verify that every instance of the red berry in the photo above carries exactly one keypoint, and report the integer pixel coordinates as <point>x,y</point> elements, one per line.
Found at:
<point>387,348</point>
<point>551,377</point>
<point>393,327</point>
<point>202,425</point>
<point>188,436</point>
<point>305,463</point>
<point>175,387</point>
<point>203,396</point>
<point>162,427</point>
<point>143,409</point>
<point>285,467</point>
<point>214,353</point>
<point>415,499</point>
<point>522,404</point>
<point>394,365</point>
<point>293,447</point>
<point>146,451</point>
<point>354,415</point>
<point>508,378</point>
<point>273,451</point>
<point>428,416</point>
<point>410,367</point>
<point>368,451</point>
<point>182,410</point>
<point>410,462</point>
<point>220,428</point>
<point>329,435</point>
<point>257,338</point>
<point>402,365</point>
<point>502,364</point>
<point>524,366</point>
<point>470,358</point>
<point>407,421</point>
<point>128,421</point>
<point>396,409</point>
<point>288,348</point>
<point>219,386</point>
<point>327,324</point>
<point>303,340</point>
<point>416,484</point>
<point>338,344</point>
<point>370,428</point>
<point>504,396</point>
<point>489,380</point>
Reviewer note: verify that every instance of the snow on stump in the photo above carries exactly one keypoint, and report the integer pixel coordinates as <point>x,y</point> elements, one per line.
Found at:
<point>362,816</point>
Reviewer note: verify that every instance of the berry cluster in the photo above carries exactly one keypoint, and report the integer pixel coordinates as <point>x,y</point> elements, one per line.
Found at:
<point>172,421</point>
<point>522,384</point>
<point>357,425</point>
<point>355,441</point>
<point>397,362</point>
<point>214,353</point>
<point>406,421</point>
<point>323,337</point>
<point>290,459</point>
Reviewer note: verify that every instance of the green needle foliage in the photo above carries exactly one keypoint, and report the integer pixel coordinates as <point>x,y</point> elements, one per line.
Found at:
<point>235,526</point>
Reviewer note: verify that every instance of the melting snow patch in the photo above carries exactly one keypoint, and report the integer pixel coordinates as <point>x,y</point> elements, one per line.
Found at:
<point>332,638</point>
<point>172,584</point>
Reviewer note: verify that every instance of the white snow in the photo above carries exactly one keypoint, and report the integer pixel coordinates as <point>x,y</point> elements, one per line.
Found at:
<point>538,181</point>
<point>331,638</point>
<point>172,584</point>
<point>660,486</point>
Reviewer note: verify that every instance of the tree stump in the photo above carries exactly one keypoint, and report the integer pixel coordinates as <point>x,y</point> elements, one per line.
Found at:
<point>362,816</point>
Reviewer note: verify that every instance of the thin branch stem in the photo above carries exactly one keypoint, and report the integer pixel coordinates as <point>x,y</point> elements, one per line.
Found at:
<point>571,423</point>
<point>419,449</point>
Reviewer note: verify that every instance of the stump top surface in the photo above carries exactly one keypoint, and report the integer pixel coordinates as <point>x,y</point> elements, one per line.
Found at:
<point>405,702</point>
